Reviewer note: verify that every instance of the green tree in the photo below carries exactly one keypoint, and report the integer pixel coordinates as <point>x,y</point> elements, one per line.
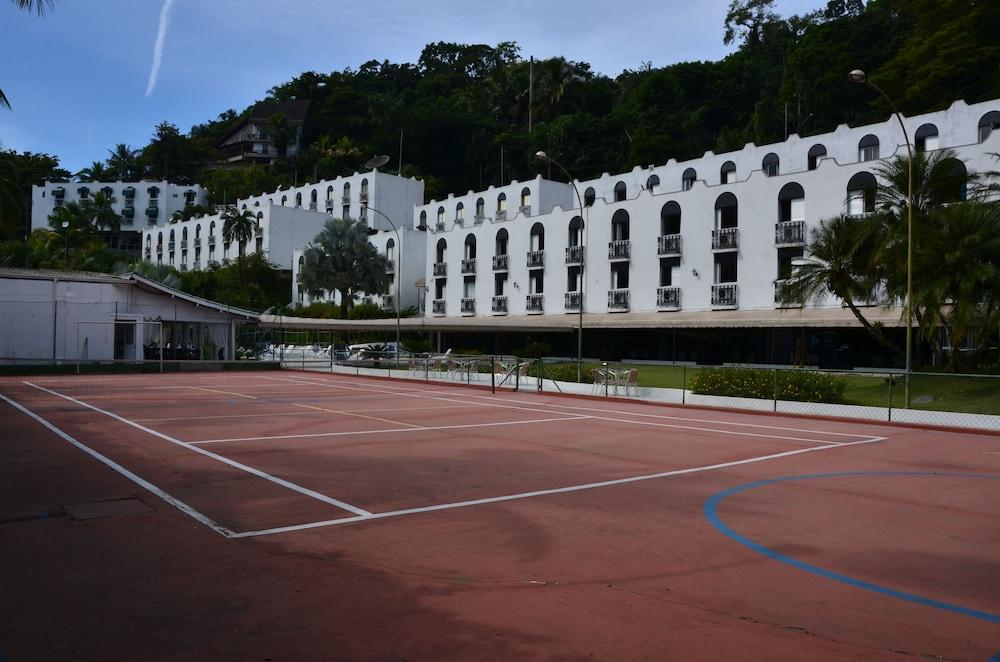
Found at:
<point>37,6</point>
<point>238,226</point>
<point>123,162</point>
<point>281,132</point>
<point>161,273</point>
<point>106,219</point>
<point>341,259</point>
<point>95,172</point>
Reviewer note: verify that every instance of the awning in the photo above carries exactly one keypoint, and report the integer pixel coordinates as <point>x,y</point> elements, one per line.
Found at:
<point>832,317</point>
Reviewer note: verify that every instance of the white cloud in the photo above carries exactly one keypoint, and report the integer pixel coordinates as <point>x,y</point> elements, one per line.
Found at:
<point>161,35</point>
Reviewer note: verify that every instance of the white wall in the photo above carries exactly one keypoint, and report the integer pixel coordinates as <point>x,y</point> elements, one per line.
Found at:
<point>170,198</point>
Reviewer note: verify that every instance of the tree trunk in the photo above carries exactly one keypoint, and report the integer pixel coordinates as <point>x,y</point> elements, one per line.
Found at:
<point>344,301</point>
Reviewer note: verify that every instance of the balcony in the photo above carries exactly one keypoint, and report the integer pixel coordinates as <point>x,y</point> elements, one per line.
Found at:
<point>439,226</point>
<point>536,259</point>
<point>184,244</point>
<point>783,298</point>
<point>329,206</point>
<point>225,261</point>
<point>389,302</point>
<point>726,239</point>
<point>668,245</point>
<point>468,305</point>
<point>347,199</point>
<point>500,262</point>
<point>170,245</point>
<point>618,300</point>
<point>440,269</point>
<point>128,192</point>
<point>390,266</point>
<point>437,307</point>
<point>184,266</point>
<point>211,240</point>
<point>478,219</point>
<point>197,242</point>
<point>668,298</point>
<point>152,212</point>
<point>159,249</point>
<point>197,264</point>
<point>619,250</point>
<point>725,296</point>
<point>129,213</point>
<point>525,210</point>
<point>459,221</point>
<point>258,231</point>
<point>790,233</point>
<point>501,215</point>
<point>572,302</point>
<point>312,206</point>
<point>534,303</point>
<point>500,305</point>
<point>574,255</point>
<point>363,198</point>
<point>149,253</point>
<point>469,266</point>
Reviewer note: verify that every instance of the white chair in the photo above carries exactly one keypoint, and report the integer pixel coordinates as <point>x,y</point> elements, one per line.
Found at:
<point>600,380</point>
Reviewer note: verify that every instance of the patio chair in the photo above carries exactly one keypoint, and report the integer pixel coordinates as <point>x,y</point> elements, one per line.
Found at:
<point>631,382</point>
<point>600,379</point>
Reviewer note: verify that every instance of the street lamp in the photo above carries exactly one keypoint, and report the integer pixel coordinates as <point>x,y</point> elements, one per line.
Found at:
<point>398,267</point>
<point>65,227</point>
<point>858,76</point>
<point>542,156</point>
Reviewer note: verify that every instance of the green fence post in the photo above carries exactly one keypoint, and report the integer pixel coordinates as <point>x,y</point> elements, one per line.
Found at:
<point>606,375</point>
<point>540,373</point>
<point>517,375</point>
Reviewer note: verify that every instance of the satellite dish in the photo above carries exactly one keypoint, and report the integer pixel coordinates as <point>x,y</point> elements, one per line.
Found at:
<point>377,161</point>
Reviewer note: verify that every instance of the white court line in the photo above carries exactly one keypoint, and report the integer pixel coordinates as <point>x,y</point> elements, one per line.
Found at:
<point>538,493</point>
<point>225,460</point>
<point>142,482</point>
<point>565,417</point>
<point>406,393</point>
<point>471,405</point>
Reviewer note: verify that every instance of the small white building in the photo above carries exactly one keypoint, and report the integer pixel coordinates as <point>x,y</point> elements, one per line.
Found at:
<point>140,204</point>
<point>56,316</point>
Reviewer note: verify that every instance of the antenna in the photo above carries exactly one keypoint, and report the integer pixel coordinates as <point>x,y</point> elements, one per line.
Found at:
<point>377,161</point>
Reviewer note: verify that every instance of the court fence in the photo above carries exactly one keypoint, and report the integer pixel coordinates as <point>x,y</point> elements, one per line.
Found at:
<point>947,399</point>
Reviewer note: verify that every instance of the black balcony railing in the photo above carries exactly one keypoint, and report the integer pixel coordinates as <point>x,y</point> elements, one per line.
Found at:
<point>500,262</point>
<point>469,306</point>
<point>725,295</point>
<point>790,233</point>
<point>668,298</point>
<point>668,245</point>
<point>534,303</point>
<point>536,259</point>
<point>618,299</point>
<point>469,266</point>
<point>620,249</point>
<point>500,305</point>
<point>440,269</point>
<point>574,254</point>
<point>437,307</point>
<point>572,301</point>
<point>726,239</point>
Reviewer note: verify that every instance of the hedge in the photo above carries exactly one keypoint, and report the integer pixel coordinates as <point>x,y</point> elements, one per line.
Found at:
<point>802,386</point>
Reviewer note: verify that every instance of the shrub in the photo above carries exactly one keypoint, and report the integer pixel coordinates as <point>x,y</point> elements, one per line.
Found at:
<point>534,350</point>
<point>798,385</point>
<point>566,372</point>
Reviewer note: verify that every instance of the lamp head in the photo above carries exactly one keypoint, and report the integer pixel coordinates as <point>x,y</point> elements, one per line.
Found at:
<point>857,76</point>
<point>541,156</point>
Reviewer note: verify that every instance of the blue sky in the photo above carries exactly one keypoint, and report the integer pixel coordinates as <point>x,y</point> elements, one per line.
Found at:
<point>77,78</point>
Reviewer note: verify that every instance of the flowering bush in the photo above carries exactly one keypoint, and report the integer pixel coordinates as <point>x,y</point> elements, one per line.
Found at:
<point>799,385</point>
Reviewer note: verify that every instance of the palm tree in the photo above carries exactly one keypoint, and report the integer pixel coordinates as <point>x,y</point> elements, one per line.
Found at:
<point>238,226</point>
<point>341,259</point>
<point>106,219</point>
<point>161,273</point>
<point>842,252</point>
<point>95,172</point>
<point>124,161</point>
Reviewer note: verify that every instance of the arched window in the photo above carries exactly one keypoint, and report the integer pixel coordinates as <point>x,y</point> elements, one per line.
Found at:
<point>538,237</point>
<point>621,191</point>
<point>948,181</point>
<point>364,189</point>
<point>172,238</point>
<point>441,250</point>
<point>791,203</point>
<point>480,209</point>
<point>159,239</point>
<point>470,247</point>
<point>816,152</point>
<point>688,179</point>
<point>868,148</point>
<point>256,203</point>
<point>302,261</point>
<point>500,247</point>
<point>926,138</point>
<point>390,249</point>
<point>189,197</point>
<point>576,231</point>
<point>260,217</point>
<point>313,197</point>
<point>197,231</point>
<point>726,212</point>
<point>988,123</point>
<point>184,234</point>
<point>108,193</point>
<point>284,200</point>
<point>440,216</point>
<point>861,194</point>
<point>770,165</point>
<point>329,193</point>
<point>589,196</point>
<point>149,240</point>
<point>243,208</point>
<point>83,192</point>
<point>619,226</point>
<point>460,211</point>
<point>727,173</point>
<point>347,192</point>
<point>211,229</point>
<point>298,199</point>
<point>153,192</point>
<point>423,219</point>
<point>502,202</point>
<point>526,198</point>
<point>670,218</point>
<point>653,184</point>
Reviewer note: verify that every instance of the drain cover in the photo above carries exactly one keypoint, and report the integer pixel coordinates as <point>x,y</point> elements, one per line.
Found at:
<point>109,508</point>
<point>33,517</point>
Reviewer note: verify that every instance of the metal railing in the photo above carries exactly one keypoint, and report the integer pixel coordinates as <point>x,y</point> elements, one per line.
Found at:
<point>725,295</point>
<point>468,306</point>
<point>440,269</point>
<point>501,262</point>
<point>437,307</point>
<point>790,233</point>
<point>726,239</point>
<point>571,301</point>
<point>574,254</point>
<point>782,298</point>
<point>499,305</point>
<point>534,303</point>
<point>390,266</point>
<point>668,298</point>
<point>536,259</point>
<point>618,299</point>
<point>620,249</point>
<point>668,245</point>
<point>501,215</point>
<point>469,265</point>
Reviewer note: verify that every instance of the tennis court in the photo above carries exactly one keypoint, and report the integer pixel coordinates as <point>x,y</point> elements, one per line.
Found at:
<point>296,515</point>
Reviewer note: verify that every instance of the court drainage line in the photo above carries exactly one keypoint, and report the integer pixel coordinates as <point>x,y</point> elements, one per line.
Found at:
<point>612,411</point>
<point>536,493</point>
<point>308,435</point>
<point>138,480</point>
<point>608,418</point>
<point>225,460</point>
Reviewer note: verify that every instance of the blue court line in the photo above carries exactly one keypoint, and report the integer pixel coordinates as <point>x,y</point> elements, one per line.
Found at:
<point>711,513</point>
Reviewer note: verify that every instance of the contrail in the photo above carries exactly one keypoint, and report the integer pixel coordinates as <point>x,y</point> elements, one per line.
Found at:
<point>161,35</point>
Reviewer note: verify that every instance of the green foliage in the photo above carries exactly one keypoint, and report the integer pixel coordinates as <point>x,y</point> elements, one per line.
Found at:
<point>368,311</point>
<point>249,282</point>
<point>18,172</point>
<point>534,350</point>
<point>801,386</point>
<point>566,372</point>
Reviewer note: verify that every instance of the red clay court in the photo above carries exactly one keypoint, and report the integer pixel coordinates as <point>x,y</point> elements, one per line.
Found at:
<point>302,516</point>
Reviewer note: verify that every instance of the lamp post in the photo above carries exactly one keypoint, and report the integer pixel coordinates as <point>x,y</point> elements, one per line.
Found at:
<point>542,156</point>
<point>858,76</point>
<point>398,267</point>
<point>65,227</point>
